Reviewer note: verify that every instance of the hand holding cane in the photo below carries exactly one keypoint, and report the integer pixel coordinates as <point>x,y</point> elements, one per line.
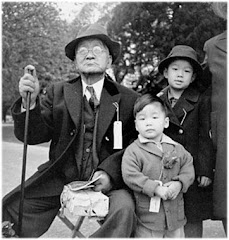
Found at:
<point>28,99</point>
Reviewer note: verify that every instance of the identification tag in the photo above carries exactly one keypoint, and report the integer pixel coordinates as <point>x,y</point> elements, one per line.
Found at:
<point>117,135</point>
<point>155,202</point>
<point>117,130</point>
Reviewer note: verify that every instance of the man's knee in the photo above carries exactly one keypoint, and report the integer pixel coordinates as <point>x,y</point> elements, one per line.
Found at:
<point>9,211</point>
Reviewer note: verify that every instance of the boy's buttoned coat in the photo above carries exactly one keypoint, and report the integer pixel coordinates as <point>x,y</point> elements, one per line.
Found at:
<point>141,166</point>
<point>190,126</point>
<point>58,119</point>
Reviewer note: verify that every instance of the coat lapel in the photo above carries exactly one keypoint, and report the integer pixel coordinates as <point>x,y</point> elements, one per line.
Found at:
<point>172,116</point>
<point>183,106</point>
<point>110,94</point>
<point>73,97</point>
<point>107,110</point>
<point>149,147</point>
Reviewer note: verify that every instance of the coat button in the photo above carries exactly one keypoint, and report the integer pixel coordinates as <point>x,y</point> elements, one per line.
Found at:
<point>181,131</point>
<point>72,132</point>
<point>88,150</point>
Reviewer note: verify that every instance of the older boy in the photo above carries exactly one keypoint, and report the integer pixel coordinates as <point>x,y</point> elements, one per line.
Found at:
<point>189,114</point>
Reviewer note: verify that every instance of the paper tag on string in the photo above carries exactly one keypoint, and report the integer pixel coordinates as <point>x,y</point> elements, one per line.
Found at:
<point>117,131</point>
<point>155,204</point>
<point>155,201</point>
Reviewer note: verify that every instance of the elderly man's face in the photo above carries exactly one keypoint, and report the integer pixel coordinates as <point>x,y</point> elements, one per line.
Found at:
<point>92,57</point>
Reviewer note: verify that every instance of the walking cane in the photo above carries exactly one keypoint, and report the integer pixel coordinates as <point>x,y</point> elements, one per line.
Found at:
<point>20,215</point>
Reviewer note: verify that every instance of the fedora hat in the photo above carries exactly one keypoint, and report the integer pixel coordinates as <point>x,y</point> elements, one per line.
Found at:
<point>93,31</point>
<point>184,52</point>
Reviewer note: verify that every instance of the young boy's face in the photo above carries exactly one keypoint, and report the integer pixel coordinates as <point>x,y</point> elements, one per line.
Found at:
<point>151,121</point>
<point>179,74</point>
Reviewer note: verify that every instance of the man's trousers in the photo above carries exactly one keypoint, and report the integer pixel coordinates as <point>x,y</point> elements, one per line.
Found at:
<point>39,213</point>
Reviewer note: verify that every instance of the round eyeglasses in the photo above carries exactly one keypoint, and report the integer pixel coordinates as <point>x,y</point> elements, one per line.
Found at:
<point>83,51</point>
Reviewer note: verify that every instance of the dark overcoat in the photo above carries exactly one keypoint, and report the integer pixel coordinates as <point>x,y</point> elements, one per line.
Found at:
<point>57,118</point>
<point>216,63</point>
<point>189,125</point>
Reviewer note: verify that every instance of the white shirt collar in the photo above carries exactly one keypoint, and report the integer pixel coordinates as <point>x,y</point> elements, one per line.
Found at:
<point>98,87</point>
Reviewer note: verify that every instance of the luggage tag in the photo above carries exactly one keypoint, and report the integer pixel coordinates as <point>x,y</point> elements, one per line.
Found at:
<point>117,130</point>
<point>155,202</point>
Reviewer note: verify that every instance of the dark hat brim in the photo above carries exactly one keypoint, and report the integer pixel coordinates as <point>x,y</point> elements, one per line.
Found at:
<point>165,63</point>
<point>114,47</point>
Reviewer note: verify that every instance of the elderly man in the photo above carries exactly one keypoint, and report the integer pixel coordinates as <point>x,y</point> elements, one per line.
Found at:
<point>79,117</point>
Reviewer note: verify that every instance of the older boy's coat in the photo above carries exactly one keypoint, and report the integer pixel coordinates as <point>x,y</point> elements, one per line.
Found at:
<point>190,126</point>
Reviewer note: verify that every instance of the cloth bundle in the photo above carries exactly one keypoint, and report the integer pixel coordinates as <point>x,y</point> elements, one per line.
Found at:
<point>84,202</point>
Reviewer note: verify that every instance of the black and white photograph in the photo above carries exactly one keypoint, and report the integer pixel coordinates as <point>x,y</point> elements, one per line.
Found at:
<point>114,119</point>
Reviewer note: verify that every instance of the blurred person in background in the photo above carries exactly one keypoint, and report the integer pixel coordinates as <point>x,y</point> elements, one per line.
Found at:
<point>148,80</point>
<point>215,66</point>
<point>131,77</point>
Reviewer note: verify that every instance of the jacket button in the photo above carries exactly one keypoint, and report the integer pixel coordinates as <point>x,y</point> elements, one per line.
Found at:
<point>72,132</point>
<point>88,150</point>
<point>181,131</point>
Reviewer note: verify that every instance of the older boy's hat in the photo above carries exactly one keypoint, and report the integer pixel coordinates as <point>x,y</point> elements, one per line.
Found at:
<point>93,31</point>
<point>184,52</point>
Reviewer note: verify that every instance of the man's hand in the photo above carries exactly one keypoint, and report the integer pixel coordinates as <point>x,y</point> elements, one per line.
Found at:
<point>204,181</point>
<point>103,183</point>
<point>29,83</point>
<point>174,187</point>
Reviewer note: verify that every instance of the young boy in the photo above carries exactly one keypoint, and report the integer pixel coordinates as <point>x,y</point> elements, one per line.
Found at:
<point>189,115</point>
<point>158,170</point>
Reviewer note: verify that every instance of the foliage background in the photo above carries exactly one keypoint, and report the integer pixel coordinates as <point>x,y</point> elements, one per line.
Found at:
<point>34,33</point>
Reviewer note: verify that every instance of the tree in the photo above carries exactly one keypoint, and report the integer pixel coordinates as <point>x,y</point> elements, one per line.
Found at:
<point>149,30</point>
<point>93,12</point>
<point>31,34</point>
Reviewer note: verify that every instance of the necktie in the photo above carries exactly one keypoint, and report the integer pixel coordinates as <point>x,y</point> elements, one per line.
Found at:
<point>93,101</point>
<point>173,101</point>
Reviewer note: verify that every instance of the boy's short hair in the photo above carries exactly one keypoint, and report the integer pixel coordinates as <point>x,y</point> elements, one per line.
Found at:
<point>147,99</point>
